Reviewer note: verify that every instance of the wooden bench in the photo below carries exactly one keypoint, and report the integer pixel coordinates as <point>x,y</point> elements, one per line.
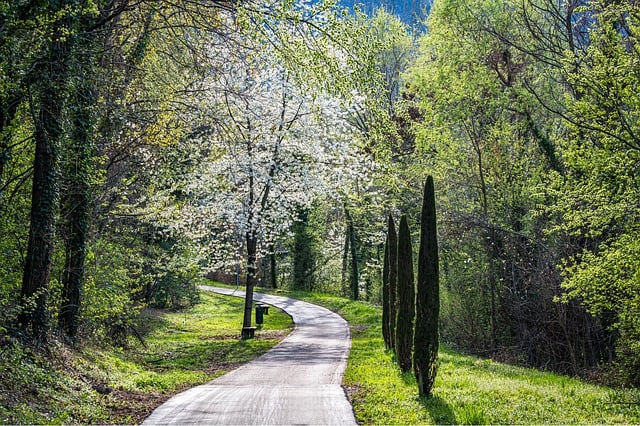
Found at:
<point>248,332</point>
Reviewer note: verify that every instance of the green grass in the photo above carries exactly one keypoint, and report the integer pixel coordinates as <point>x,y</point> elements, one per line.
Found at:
<point>468,390</point>
<point>200,344</point>
<point>188,348</point>
<point>181,350</point>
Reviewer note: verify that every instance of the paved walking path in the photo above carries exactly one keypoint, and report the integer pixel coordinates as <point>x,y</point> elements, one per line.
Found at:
<point>296,382</point>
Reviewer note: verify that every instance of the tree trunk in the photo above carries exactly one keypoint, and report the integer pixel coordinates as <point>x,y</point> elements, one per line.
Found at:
<point>345,263</point>
<point>272,268</point>
<point>426,336</point>
<point>75,209</point>
<point>252,245</point>
<point>490,242</point>
<point>44,194</point>
<point>303,254</point>
<point>492,259</point>
<point>355,277</point>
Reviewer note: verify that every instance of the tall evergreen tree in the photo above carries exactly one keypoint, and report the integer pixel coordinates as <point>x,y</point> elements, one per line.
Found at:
<point>385,296</point>
<point>425,343</point>
<point>406,297</point>
<point>392,243</point>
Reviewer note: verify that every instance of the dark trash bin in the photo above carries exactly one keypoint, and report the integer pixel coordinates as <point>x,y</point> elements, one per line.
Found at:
<point>259,314</point>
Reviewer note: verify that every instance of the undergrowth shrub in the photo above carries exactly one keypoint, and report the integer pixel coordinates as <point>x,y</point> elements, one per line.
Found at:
<point>110,302</point>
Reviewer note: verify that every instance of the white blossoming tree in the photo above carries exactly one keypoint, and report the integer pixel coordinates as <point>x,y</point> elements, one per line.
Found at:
<point>263,147</point>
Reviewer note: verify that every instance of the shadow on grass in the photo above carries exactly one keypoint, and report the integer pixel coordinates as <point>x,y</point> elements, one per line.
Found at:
<point>196,356</point>
<point>439,410</point>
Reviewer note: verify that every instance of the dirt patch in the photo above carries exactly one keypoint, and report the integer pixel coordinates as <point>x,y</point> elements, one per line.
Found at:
<point>126,407</point>
<point>358,329</point>
<point>218,369</point>
<point>129,407</point>
<point>273,334</point>
<point>354,393</point>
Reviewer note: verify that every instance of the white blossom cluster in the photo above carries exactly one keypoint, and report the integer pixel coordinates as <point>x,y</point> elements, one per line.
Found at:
<point>265,149</point>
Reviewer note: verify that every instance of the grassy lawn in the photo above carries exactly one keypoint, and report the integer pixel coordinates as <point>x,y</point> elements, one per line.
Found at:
<point>468,390</point>
<point>123,385</point>
<point>188,348</point>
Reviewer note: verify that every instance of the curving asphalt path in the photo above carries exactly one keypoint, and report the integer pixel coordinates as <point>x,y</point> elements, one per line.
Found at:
<point>296,382</point>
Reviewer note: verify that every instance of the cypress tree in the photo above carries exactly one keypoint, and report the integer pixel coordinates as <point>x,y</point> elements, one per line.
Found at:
<point>428,299</point>
<point>392,244</point>
<point>406,297</point>
<point>385,296</point>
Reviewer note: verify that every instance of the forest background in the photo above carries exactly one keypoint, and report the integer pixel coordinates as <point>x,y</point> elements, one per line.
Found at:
<point>144,144</point>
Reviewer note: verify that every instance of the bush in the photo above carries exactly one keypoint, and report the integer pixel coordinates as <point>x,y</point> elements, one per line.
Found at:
<point>607,282</point>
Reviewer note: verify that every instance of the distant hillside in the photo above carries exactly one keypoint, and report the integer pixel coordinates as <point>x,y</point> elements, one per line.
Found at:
<point>411,12</point>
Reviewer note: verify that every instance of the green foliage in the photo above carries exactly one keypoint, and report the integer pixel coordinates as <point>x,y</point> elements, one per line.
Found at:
<point>304,249</point>
<point>527,113</point>
<point>114,276</point>
<point>35,391</point>
<point>464,305</point>
<point>599,202</point>
<point>606,104</point>
<point>495,133</point>
<point>354,273</point>
<point>608,282</point>
<point>174,290</point>
<point>426,336</point>
<point>393,51</point>
<point>406,297</point>
<point>12,232</point>
<point>176,273</point>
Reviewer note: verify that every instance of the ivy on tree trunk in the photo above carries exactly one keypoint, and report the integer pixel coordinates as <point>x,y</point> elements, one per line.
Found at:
<point>75,209</point>
<point>44,195</point>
